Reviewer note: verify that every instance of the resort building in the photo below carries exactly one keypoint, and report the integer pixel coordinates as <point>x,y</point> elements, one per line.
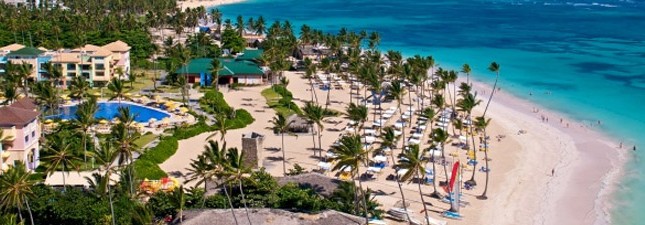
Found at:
<point>22,2</point>
<point>241,70</point>
<point>19,122</point>
<point>98,64</point>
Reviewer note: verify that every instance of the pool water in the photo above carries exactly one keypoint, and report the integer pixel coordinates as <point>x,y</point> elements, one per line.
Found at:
<point>110,110</point>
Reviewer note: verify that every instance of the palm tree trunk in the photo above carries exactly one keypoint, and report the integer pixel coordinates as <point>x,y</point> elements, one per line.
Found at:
<point>472,135</point>
<point>205,191</point>
<point>20,213</point>
<point>364,197</point>
<point>31,216</point>
<point>284,159</point>
<point>435,193</point>
<point>483,196</point>
<point>320,140</point>
<point>64,188</point>
<point>327,103</point>
<point>84,148</point>
<point>443,158</point>
<point>425,209</point>
<point>230,203</point>
<point>130,175</point>
<point>491,94</point>
<point>111,203</point>
<point>246,208</point>
<point>313,137</point>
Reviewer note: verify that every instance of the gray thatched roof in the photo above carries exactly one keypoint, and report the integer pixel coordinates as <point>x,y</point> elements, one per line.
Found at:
<point>269,217</point>
<point>322,184</point>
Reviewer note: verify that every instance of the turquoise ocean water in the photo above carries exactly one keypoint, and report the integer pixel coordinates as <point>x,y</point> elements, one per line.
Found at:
<point>590,55</point>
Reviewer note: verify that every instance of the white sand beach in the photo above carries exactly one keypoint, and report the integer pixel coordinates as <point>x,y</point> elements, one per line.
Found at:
<point>205,3</point>
<point>521,191</point>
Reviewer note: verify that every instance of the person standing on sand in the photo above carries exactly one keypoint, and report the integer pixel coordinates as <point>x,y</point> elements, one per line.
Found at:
<point>553,172</point>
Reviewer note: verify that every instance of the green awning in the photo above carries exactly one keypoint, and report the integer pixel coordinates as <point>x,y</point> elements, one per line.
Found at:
<point>230,67</point>
<point>26,51</point>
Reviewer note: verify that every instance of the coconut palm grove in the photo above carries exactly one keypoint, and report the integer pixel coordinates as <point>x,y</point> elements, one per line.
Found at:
<point>148,112</point>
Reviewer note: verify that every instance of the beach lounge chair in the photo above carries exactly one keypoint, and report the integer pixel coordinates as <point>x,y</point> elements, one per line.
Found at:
<point>452,215</point>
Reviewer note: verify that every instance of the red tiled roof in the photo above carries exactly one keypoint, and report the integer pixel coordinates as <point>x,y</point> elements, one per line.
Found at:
<point>14,116</point>
<point>25,103</point>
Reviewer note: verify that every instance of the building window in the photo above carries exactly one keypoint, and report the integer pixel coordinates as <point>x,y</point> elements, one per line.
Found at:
<point>99,66</point>
<point>86,75</point>
<point>26,138</point>
<point>85,67</point>
<point>100,74</point>
<point>71,66</point>
<point>33,133</point>
<point>42,66</point>
<point>71,74</point>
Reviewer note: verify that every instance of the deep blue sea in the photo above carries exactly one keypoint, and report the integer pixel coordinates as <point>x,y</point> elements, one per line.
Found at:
<point>590,55</point>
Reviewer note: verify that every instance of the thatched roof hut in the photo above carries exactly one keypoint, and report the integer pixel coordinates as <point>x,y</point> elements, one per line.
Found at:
<point>322,184</point>
<point>269,217</point>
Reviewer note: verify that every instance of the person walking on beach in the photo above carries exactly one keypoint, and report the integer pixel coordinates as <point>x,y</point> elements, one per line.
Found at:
<point>553,172</point>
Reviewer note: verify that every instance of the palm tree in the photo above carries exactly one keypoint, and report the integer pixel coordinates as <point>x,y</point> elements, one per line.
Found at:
<point>79,88</point>
<point>16,189</point>
<point>281,126</point>
<point>482,123</point>
<point>260,26</point>
<point>237,170</point>
<point>200,171</point>
<point>466,69</point>
<point>216,66</point>
<point>184,56</point>
<point>350,154</point>
<point>4,140</point>
<point>178,199</point>
<point>466,105</point>
<point>124,138</point>
<point>133,78</point>
<point>222,125</point>
<point>315,114</point>
<point>442,137</point>
<point>117,87</point>
<point>309,74</point>
<point>61,158</point>
<point>494,67</point>
<point>397,91</point>
<point>217,18</point>
<point>105,156</point>
<point>23,71</point>
<point>54,73</point>
<point>216,158</point>
<point>414,161</point>
<point>47,95</point>
<point>358,114</point>
<point>84,120</point>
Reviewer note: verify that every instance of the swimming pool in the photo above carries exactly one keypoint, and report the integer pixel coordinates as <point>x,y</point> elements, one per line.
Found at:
<point>109,110</point>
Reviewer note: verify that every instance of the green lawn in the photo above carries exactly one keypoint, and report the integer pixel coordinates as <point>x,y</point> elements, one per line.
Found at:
<point>145,139</point>
<point>272,99</point>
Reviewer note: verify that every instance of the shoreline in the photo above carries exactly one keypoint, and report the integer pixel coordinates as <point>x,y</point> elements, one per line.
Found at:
<point>584,158</point>
<point>584,152</point>
<point>206,3</point>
